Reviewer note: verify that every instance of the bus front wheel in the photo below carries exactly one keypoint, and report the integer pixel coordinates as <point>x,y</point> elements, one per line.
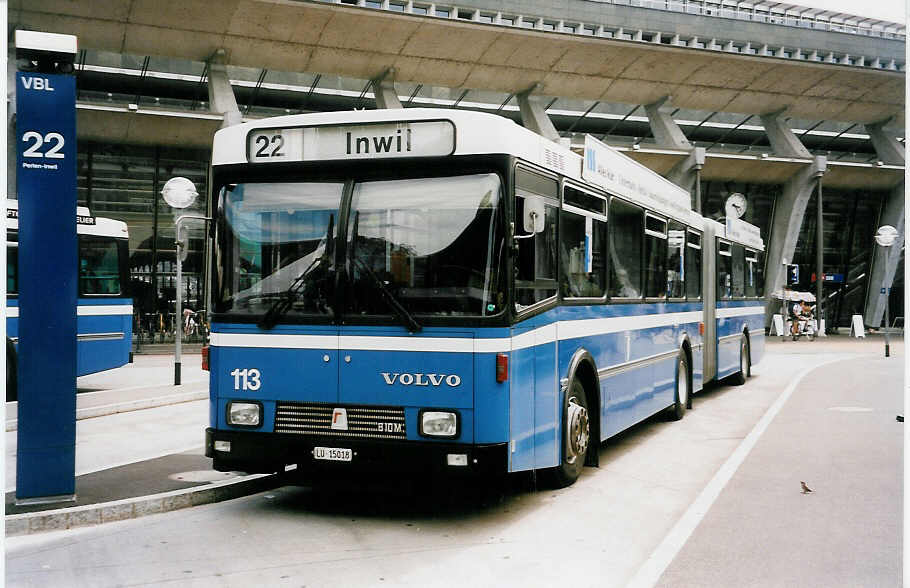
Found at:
<point>577,437</point>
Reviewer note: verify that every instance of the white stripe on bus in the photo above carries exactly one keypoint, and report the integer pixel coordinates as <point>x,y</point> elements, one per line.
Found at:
<point>562,331</point>
<point>94,310</point>
<point>739,311</point>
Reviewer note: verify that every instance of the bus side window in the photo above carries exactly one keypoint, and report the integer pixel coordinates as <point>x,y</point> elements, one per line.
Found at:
<point>626,244</point>
<point>581,255</point>
<point>693,265</point>
<point>535,265</point>
<point>759,270</point>
<point>535,278</point>
<point>582,245</point>
<point>655,257</point>
<point>12,270</point>
<point>99,266</point>
<point>724,270</point>
<point>676,260</point>
<point>739,261</point>
<point>750,274</point>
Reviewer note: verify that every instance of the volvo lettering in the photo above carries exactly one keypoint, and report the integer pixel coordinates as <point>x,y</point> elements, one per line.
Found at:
<point>422,379</point>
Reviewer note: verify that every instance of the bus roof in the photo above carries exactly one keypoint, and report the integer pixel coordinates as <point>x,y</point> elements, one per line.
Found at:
<point>86,224</point>
<point>426,132</point>
<point>456,132</point>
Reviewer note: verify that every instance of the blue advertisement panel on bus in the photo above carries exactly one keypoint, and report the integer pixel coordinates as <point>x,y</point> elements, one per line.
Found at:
<point>478,300</point>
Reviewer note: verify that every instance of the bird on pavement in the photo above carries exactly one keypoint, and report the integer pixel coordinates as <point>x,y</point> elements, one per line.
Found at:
<point>806,489</point>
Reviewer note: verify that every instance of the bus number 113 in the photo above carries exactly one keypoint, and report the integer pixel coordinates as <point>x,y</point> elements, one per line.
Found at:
<point>246,379</point>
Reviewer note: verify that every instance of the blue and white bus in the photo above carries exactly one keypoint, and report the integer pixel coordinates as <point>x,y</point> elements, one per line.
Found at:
<point>435,289</point>
<point>104,322</point>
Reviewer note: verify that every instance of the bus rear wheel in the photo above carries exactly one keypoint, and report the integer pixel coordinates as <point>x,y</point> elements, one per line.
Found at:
<point>745,362</point>
<point>681,397</point>
<point>577,437</point>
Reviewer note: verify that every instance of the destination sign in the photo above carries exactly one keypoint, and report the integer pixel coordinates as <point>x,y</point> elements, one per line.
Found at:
<point>81,219</point>
<point>371,141</point>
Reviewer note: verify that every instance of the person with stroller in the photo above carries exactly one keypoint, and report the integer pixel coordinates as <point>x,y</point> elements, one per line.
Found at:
<point>802,320</point>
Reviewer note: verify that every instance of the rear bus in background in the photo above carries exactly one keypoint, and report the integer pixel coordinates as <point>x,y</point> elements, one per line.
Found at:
<point>434,290</point>
<point>104,321</point>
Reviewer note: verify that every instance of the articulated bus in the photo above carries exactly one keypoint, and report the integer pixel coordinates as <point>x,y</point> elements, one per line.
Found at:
<point>441,290</point>
<point>104,321</point>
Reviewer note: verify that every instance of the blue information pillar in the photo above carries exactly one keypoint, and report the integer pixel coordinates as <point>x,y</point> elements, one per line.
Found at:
<point>46,178</point>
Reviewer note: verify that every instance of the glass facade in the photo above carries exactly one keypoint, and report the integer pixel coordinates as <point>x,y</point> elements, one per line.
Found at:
<point>850,218</point>
<point>124,182</point>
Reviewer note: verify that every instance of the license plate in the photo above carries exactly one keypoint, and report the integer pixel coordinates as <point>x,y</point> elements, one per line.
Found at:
<point>333,454</point>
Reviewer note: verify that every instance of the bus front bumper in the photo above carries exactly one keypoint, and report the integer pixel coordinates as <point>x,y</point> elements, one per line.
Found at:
<point>256,452</point>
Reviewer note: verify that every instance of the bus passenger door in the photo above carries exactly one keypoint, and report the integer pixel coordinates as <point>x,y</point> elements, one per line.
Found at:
<point>523,365</point>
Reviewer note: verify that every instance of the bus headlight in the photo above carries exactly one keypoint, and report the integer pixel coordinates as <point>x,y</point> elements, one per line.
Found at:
<point>244,414</point>
<point>439,423</point>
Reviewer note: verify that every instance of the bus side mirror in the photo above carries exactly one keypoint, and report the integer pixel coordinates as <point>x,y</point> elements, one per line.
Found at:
<point>533,216</point>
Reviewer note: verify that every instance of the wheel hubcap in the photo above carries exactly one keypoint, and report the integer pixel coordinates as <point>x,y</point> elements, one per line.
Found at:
<point>578,431</point>
<point>743,360</point>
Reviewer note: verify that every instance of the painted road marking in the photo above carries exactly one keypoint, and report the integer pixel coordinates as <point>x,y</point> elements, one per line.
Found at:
<point>653,568</point>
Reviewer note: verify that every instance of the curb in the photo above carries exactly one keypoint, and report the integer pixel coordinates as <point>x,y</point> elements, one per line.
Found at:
<point>115,408</point>
<point>133,508</point>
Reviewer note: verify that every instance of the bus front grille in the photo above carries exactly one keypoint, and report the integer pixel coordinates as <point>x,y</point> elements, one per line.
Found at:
<point>362,422</point>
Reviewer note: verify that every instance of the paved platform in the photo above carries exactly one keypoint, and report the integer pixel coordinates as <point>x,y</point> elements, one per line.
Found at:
<point>139,449</point>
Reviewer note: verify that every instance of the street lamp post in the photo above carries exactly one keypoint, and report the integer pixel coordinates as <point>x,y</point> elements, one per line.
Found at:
<point>180,193</point>
<point>885,238</point>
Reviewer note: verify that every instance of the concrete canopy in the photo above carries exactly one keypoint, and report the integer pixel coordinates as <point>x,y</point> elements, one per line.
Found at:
<point>362,43</point>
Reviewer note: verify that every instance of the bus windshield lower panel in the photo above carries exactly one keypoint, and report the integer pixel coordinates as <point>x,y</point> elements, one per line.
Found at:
<point>435,245</point>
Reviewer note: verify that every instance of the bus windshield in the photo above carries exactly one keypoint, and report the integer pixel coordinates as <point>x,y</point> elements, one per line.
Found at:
<point>101,265</point>
<point>424,246</point>
<point>435,243</point>
<point>277,247</point>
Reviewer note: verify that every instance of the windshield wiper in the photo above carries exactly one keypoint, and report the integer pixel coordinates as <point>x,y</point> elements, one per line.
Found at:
<point>281,306</point>
<point>400,311</point>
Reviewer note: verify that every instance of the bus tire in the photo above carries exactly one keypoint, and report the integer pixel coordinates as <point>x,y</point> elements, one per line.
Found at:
<point>11,373</point>
<point>683,389</point>
<point>577,441</point>
<point>745,362</point>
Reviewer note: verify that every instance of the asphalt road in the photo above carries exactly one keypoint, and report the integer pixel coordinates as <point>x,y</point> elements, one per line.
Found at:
<point>713,500</point>
<point>838,433</point>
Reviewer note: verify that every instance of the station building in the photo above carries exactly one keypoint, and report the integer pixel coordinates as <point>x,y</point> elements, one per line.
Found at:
<point>775,101</point>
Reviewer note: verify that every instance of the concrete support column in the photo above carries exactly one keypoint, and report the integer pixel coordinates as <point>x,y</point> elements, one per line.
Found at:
<point>886,145</point>
<point>788,218</point>
<point>666,132</point>
<point>685,173</point>
<point>221,95</point>
<point>384,90</point>
<point>884,261</point>
<point>884,264</point>
<point>534,117</point>
<point>784,141</point>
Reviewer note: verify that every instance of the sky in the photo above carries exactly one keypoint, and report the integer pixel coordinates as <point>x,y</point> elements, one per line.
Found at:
<point>892,10</point>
